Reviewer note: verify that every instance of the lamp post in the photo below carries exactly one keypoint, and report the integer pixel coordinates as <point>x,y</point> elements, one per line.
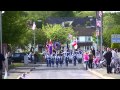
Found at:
<point>1,30</point>
<point>33,28</point>
<point>99,26</point>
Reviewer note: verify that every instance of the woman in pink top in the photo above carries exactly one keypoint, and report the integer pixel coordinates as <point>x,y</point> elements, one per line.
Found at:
<point>86,59</point>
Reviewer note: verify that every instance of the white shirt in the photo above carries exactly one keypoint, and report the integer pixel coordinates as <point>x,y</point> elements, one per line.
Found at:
<point>114,54</point>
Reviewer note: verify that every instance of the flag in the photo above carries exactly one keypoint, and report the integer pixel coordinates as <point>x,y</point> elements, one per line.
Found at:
<point>74,44</point>
<point>34,26</point>
<point>47,46</point>
<point>98,23</point>
<point>50,47</point>
<point>100,13</point>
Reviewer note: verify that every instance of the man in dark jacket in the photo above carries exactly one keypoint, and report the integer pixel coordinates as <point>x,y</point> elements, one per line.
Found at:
<point>108,56</point>
<point>90,60</point>
<point>2,59</point>
<point>93,51</point>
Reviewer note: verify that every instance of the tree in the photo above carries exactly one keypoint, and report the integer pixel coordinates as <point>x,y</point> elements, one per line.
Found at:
<point>39,15</point>
<point>84,13</point>
<point>41,36</point>
<point>111,26</point>
<point>14,25</point>
<point>62,14</point>
<point>57,32</point>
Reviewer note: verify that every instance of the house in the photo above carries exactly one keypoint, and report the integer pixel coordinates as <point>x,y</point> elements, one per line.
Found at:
<point>84,39</point>
<point>85,27</point>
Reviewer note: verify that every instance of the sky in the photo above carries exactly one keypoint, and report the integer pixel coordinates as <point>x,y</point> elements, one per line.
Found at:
<point>110,11</point>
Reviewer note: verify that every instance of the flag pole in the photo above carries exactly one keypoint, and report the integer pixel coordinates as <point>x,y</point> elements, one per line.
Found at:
<point>34,26</point>
<point>101,38</point>
<point>34,41</point>
<point>1,30</point>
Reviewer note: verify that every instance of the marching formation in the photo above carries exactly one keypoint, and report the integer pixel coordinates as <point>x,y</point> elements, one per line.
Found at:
<point>58,59</point>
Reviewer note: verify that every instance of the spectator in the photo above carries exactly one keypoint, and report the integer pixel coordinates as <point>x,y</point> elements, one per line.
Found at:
<point>86,59</point>
<point>108,56</point>
<point>2,64</point>
<point>93,51</point>
<point>114,54</point>
<point>90,60</point>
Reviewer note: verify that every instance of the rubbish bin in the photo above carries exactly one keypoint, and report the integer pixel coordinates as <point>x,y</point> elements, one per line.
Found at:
<point>25,59</point>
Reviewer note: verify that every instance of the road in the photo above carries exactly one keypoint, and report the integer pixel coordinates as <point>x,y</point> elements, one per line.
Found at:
<point>70,72</point>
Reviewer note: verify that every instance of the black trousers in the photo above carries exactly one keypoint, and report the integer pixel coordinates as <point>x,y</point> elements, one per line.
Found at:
<point>90,63</point>
<point>66,62</point>
<point>0,73</point>
<point>75,62</point>
<point>109,69</point>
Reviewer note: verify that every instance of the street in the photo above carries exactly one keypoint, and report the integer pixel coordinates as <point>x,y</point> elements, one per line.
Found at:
<point>70,72</point>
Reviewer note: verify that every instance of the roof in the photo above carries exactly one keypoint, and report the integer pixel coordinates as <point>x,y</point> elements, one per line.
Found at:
<point>76,20</point>
<point>81,31</point>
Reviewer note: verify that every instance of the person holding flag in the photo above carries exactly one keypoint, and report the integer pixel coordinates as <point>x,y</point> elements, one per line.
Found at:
<point>47,46</point>
<point>50,47</point>
<point>74,44</point>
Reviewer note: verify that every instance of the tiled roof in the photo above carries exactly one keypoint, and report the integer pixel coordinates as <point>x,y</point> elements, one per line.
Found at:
<point>84,31</point>
<point>76,20</point>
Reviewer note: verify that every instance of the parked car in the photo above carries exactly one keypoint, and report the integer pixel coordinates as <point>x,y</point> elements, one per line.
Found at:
<point>9,61</point>
<point>18,57</point>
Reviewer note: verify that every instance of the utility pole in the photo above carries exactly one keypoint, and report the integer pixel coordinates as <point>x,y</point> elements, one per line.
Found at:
<point>33,27</point>
<point>99,26</point>
<point>101,31</point>
<point>1,31</point>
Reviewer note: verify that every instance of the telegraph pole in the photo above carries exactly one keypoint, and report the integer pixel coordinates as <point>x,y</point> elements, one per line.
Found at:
<point>99,27</point>
<point>1,31</point>
<point>101,38</point>
<point>33,28</point>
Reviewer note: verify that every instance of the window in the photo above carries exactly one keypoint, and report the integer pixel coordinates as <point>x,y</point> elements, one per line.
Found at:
<point>88,38</point>
<point>82,38</point>
<point>16,55</point>
<point>85,39</point>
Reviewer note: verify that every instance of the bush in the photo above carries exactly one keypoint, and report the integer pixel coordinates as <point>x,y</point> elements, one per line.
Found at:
<point>115,45</point>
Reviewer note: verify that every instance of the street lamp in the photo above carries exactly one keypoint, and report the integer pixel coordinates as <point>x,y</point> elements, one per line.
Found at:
<point>1,29</point>
<point>99,26</point>
<point>33,28</point>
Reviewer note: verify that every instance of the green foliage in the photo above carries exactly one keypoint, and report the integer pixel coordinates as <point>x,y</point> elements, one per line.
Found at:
<point>14,26</point>
<point>111,26</point>
<point>36,15</point>
<point>57,32</point>
<point>84,13</point>
<point>16,32</point>
<point>115,45</point>
<point>63,14</point>
<point>41,36</point>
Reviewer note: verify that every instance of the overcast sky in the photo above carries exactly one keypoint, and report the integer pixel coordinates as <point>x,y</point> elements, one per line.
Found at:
<point>110,11</point>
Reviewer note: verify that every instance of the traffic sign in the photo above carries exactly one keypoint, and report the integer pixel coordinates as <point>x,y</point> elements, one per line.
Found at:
<point>115,38</point>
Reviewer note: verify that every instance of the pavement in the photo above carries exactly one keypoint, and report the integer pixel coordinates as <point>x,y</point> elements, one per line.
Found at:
<point>102,72</point>
<point>19,71</point>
